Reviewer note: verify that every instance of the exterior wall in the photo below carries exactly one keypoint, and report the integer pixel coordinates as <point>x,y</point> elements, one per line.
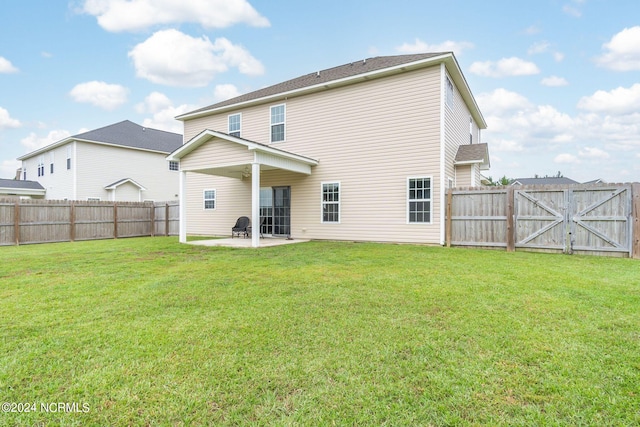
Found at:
<point>371,137</point>
<point>464,176</point>
<point>99,165</point>
<point>220,152</point>
<point>59,184</point>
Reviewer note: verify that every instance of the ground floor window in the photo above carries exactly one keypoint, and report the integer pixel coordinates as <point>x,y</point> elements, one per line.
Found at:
<point>419,200</point>
<point>209,199</point>
<point>331,202</point>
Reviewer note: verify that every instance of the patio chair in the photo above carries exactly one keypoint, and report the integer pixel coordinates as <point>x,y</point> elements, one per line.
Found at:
<point>242,226</point>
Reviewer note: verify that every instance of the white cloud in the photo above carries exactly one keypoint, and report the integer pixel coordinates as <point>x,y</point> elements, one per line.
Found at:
<point>505,145</point>
<point>8,168</point>
<point>539,47</point>
<point>136,15</point>
<point>163,112</point>
<point>501,101</point>
<point>558,56</point>
<point>505,67</point>
<point>532,30</point>
<point>6,67</point>
<point>622,52</point>
<point>6,121</point>
<point>422,47</point>
<point>566,158</point>
<point>554,81</point>
<point>173,58</point>
<point>617,101</point>
<point>153,103</point>
<point>33,142</point>
<point>100,94</point>
<point>224,92</point>
<point>593,153</point>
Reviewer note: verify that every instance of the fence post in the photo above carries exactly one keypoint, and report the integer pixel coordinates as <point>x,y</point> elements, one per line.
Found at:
<point>635,243</point>
<point>447,229</point>
<point>115,220</point>
<point>166,219</point>
<point>511,232</point>
<point>16,222</point>
<point>72,220</point>
<point>152,216</point>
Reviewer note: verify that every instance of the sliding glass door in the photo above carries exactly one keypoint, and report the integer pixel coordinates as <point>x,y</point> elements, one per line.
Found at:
<point>275,211</point>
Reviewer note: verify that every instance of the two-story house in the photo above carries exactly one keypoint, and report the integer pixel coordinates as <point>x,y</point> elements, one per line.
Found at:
<point>120,162</point>
<point>364,151</point>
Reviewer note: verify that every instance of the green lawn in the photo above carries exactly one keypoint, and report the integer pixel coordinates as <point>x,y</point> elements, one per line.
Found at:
<point>151,332</point>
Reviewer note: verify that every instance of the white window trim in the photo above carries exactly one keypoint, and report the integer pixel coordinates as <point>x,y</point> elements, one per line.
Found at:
<point>284,122</point>
<point>322,202</point>
<point>215,199</point>
<point>430,178</point>
<point>228,123</point>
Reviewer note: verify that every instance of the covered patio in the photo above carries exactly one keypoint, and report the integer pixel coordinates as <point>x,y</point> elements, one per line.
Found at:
<point>238,158</point>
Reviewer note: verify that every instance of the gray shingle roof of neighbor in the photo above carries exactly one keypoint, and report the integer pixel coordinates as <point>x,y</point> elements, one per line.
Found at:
<point>544,181</point>
<point>125,134</point>
<point>129,134</point>
<point>320,77</point>
<point>18,184</point>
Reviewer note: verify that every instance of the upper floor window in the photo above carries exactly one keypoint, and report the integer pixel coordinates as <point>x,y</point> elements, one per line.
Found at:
<point>235,124</point>
<point>330,202</point>
<point>68,157</point>
<point>174,165</point>
<point>41,166</point>
<point>277,123</point>
<point>419,200</point>
<point>24,173</point>
<point>449,93</point>
<point>51,163</point>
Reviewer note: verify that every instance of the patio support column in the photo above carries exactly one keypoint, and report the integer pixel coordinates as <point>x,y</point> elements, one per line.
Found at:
<point>255,205</point>
<point>183,207</point>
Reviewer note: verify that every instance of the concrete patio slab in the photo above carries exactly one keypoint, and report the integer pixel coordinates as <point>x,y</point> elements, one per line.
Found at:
<point>245,243</point>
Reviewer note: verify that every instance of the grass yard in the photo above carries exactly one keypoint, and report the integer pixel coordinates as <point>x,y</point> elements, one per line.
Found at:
<point>151,332</point>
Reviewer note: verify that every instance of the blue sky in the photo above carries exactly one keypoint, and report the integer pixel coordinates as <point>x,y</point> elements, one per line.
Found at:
<point>558,81</point>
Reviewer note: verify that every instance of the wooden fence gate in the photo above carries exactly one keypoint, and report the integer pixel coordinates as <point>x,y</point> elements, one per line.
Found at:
<point>600,219</point>
<point>582,219</point>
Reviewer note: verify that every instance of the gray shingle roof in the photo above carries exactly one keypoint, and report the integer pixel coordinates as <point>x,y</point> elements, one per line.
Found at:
<point>129,134</point>
<point>323,76</point>
<point>18,184</point>
<point>544,181</point>
<point>472,153</point>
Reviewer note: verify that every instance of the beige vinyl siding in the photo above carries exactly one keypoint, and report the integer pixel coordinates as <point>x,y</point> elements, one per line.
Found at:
<point>463,175</point>
<point>100,165</point>
<point>456,134</point>
<point>369,136</point>
<point>218,152</point>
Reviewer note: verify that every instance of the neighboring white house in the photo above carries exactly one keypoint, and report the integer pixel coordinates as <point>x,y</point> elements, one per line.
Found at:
<point>364,151</point>
<point>120,162</point>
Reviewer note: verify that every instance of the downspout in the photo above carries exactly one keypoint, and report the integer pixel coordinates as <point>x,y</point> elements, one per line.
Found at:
<point>443,74</point>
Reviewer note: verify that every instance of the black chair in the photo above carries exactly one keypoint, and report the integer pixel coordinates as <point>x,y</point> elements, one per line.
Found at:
<point>242,226</point>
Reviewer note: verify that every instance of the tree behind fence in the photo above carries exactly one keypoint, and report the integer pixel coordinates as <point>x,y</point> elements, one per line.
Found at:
<point>41,221</point>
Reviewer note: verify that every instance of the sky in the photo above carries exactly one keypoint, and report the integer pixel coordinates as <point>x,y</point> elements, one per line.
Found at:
<point>557,81</point>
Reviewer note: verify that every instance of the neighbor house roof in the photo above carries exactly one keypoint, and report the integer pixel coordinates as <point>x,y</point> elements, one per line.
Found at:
<point>473,153</point>
<point>352,72</point>
<point>120,182</point>
<point>18,187</point>
<point>123,134</point>
<point>543,181</point>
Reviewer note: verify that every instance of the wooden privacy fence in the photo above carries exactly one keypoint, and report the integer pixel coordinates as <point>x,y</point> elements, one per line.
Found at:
<point>600,219</point>
<point>41,221</point>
